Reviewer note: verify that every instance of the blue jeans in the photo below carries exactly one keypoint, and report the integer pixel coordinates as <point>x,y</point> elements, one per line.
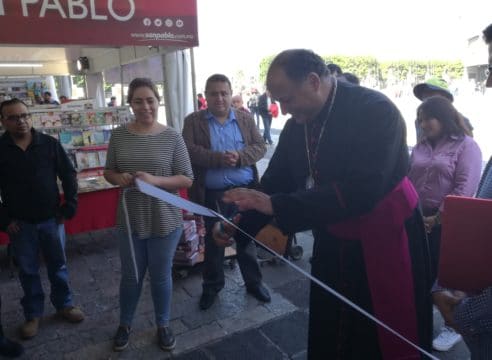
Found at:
<point>49,238</point>
<point>156,254</point>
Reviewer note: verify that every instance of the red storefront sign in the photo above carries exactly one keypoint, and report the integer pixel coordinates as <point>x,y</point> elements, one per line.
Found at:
<point>99,22</point>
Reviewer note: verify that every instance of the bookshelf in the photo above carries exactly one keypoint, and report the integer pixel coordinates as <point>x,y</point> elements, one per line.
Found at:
<point>84,134</point>
<point>25,89</point>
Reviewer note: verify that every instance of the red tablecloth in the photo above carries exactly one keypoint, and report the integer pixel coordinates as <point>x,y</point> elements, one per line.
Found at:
<point>96,210</point>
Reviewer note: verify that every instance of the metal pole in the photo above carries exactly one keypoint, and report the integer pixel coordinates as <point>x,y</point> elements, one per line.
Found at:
<point>193,78</point>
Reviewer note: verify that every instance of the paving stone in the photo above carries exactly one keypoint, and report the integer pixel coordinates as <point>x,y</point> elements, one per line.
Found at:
<point>289,333</point>
<point>102,350</point>
<point>197,337</point>
<point>191,284</point>
<point>246,319</point>
<point>297,292</point>
<point>279,305</point>
<point>194,355</point>
<point>245,345</point>
<point>300,356</point>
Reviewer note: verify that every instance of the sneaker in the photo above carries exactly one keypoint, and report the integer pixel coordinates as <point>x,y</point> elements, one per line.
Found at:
<point>72,314</point>
<point>30,328</point>
<point>165,338</point>
<point>121,338</point>
<point>446,339</point>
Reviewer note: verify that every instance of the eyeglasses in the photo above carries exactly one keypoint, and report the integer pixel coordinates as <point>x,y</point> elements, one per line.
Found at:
<point>18,118</point>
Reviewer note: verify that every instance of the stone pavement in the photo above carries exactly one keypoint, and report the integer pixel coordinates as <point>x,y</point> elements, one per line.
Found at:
<point>94,271</point>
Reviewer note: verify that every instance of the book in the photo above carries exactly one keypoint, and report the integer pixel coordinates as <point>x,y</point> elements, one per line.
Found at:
<point>82,160</point>
<point>76,119</point>
<point>107,135</point>
<point>109,118</point>
<point>77,138</point>
<point>90,118</point>
<point>92,159</point>
<point>98,137</point>
<point>88,137</point>
<point>100,118</point>
<point>102,157</point>
<point>466,247</point>
<point>66,138</point>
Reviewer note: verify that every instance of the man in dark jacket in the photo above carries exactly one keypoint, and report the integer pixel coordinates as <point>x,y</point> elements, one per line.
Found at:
<point>339,169</point>
<point>32,213</point>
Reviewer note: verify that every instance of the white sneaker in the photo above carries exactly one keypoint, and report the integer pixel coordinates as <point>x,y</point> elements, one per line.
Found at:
<point>446,339</point>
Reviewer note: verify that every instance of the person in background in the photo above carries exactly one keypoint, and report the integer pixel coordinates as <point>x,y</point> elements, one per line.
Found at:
<point>147,150</point>
<point>334,69</point>
<point>471,315</point>
<point>112,102</point>
<point>253,107</point>
<point>224,146</point>
<point>349,77</point>
<point>326,177</point>
<point>436,87</point>
<point>238,104</point>
<point>264,102</point>
<point>274,110</point>
<point>447,161</point>
<point>48,100</point>
<point>32,213</point>
<point>201,102</point>
<point>64,99</point>
<point>38,100</point>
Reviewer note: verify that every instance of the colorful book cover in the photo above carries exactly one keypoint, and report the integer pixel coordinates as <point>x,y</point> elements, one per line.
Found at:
<point>77,138</point>
<point>82,160</point>
<point>102,157</point>
<point>100,118</point>
<point>98,136</point>
<point>66,138</point>
<point>75,119</point>
<point>65,119</point>
<point>109,117</point>
<point>88,137</point>
<point>107,135</point>
<point>90,118</point>
<point>48,119</point>
<point>92,159</point>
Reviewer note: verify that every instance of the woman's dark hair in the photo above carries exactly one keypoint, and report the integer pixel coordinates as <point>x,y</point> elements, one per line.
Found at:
<point>443,110</point>
<point>141,82</point>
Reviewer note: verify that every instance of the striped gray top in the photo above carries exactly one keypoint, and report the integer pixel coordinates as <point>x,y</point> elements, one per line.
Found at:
<point>162,154</point>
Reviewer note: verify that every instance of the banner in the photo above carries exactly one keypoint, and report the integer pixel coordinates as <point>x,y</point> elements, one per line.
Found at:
<point>99,22</point>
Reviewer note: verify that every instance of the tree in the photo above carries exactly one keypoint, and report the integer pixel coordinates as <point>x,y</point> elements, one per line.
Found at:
<point>400,70</point>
